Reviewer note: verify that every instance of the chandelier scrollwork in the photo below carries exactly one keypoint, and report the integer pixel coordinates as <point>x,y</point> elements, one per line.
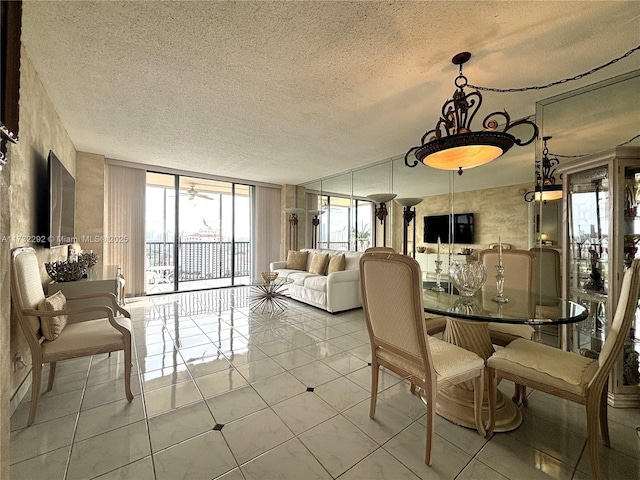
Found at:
<point>453,145</point>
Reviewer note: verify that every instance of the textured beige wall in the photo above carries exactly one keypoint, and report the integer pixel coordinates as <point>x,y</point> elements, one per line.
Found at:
<point>90,201</point>
<point>5,327</point>
<point>40,131</point>
<point>497,212</point>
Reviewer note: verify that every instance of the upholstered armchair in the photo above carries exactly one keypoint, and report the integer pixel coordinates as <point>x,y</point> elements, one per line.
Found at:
<point>50,333</point>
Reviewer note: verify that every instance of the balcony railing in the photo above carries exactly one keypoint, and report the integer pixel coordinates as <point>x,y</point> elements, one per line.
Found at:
<point>334,245</point>
<point>199,260</point>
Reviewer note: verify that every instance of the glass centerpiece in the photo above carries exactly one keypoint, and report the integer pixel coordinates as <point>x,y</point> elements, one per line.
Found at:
<point>468,278</point>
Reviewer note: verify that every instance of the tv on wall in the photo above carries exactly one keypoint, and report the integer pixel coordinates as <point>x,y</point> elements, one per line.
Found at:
<point>439,226</point>
<point>62,203</point>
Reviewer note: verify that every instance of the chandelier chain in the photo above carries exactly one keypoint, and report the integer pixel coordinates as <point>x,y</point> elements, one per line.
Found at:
<point>558,82</point>
<point>585,154</point>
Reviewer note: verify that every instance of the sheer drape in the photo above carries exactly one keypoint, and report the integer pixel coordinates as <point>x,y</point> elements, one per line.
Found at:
<point>124,224</point>
<point>266,228</point>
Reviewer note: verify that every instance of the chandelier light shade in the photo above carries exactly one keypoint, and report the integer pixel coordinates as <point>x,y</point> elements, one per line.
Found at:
<point>546,188</point>
<point>452,145</point>
<point>381,213</point>
<point>408,202</point>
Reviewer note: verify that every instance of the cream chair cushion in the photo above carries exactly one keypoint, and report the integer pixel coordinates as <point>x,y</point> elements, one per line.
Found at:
<point>448,360</point>
<point>52,326</point>
<point>95,336</point>
<point>545,364</point>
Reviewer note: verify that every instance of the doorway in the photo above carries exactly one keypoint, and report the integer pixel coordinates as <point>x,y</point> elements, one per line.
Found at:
<point>198,233</point>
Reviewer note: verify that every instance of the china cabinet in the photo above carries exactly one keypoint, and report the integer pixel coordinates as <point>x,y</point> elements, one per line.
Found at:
<point>602,233</point>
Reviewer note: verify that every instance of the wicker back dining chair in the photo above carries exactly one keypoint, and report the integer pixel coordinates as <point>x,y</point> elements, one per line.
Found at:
<point>519,268</point>
<point>569,375</point>
<point>392,301</point>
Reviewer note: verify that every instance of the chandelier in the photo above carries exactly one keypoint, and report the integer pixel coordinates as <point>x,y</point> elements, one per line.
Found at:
<point>546,187</point>
<point>452,145</point>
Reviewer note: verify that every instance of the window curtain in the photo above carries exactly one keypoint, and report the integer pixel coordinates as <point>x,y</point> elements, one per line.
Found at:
<point>266,228</point>
<point>125,224</point>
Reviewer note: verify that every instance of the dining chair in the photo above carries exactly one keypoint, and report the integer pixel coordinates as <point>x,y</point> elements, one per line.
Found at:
<point>547,281</point>
<point>52,335</point>
<point>435,323</point>
<point>569,375</point>
<point>519,273</point>
<point>380,250</point>
<point>548,288</point>
<point>393,306</point>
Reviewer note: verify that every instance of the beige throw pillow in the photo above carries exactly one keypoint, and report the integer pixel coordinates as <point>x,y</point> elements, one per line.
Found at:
<point>52,326</point>
<point>297,260</point>
<point>336,263</point>
<point>319,263</point>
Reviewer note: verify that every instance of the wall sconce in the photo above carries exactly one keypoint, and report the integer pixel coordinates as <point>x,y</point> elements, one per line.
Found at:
<point>315,221</point>
<point>381,213</point>
<point>452,145</point>
<point>546,187</point>
<point>408,214</point>
<point>293,226</point>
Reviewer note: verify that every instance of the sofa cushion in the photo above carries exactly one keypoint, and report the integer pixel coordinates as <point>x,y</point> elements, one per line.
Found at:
<point>319,263</point>
<point>297,260</point>
<point>336,263</point>
<point>52,326</point>
<point>284,273</point>
<point>352,260</point>
<point>316,283</point>
<point>299,277</point>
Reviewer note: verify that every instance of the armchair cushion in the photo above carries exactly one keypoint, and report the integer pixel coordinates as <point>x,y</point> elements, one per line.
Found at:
<point>319,263</point>
<point>297,260</point>
<point>52,326</point>
<point>86,338</point>
<point>336,263</point>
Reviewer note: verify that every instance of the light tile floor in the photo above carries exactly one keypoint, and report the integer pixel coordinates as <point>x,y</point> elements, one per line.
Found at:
<point>224,393</point>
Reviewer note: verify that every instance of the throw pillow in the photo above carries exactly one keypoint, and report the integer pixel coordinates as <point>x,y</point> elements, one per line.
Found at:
<point>52,326</point>
<point>336,263</point>
<point>297,260</point>
<point>319,263</point>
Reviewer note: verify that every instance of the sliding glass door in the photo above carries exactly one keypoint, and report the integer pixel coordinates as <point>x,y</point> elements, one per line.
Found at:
<point>198,233</point>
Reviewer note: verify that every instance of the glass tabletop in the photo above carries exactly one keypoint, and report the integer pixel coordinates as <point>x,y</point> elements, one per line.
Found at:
<point>523,307</point>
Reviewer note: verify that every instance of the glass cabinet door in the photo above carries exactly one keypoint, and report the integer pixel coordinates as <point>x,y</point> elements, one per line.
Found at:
<point>588,214</point>
<point>631,239</point>
<point>602,230</point>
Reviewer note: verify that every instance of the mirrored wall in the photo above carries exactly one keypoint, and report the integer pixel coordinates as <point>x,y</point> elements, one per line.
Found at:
<point>580,123</point>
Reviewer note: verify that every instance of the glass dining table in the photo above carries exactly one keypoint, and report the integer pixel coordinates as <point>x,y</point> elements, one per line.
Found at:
<point>468,320</point>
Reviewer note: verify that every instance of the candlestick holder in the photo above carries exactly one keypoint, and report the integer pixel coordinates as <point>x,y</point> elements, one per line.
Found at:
<point>438,287</point>
<point>499,297</point>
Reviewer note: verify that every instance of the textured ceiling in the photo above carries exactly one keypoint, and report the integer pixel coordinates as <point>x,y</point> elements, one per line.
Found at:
<point>288,92</point>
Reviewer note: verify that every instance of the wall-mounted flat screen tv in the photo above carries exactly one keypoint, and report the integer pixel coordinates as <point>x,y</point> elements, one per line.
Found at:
<point>62,203</point>
<point>439,226</point>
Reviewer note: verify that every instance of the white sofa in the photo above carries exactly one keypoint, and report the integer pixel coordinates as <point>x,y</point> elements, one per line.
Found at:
<point>335,292</point>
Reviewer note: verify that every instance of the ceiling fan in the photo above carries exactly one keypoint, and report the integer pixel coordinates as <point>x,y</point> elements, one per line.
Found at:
<point>193,193</point>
